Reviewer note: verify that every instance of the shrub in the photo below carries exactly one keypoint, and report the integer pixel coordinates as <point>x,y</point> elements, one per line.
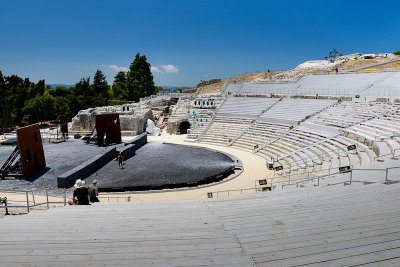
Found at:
<point>397,53</point>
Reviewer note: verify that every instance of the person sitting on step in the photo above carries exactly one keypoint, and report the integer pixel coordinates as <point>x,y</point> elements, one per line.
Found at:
<point>93,192</point>
<point>81,194</point>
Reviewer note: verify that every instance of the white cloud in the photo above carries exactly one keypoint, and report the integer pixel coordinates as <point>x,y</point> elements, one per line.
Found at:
<point>170,68</point>
<point>155,69</point>
<point>118,68</point>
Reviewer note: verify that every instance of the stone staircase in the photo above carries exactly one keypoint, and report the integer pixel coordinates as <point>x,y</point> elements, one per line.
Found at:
<point>330,226</point>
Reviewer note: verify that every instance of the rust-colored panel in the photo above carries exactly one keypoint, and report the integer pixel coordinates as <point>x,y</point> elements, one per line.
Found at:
<point>108,128</point>
<point>31,150</point>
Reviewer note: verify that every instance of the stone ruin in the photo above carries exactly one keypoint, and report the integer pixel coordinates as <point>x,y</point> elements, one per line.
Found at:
<point>204,83</point>
<point>167,114</point>
<point>190,109</point>
<point>133,117</point>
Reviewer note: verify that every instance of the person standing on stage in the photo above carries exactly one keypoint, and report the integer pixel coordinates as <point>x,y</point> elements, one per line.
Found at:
<point>121,160</point>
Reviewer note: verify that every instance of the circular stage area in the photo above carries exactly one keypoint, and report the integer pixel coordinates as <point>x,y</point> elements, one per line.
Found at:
<point>160,165</point>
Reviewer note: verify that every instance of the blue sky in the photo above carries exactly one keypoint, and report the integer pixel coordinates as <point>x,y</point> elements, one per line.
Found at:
<point>186,41</point>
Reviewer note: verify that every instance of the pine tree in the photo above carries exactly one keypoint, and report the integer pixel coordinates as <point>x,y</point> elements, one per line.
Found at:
<point>36,89</point>
<point>139,80</point>
<point>80,98</point>
<point>119,86</point>
<point>99,89</point>
<point>4,104</point>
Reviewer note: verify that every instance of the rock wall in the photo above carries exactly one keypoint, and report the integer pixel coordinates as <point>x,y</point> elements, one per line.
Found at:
<point>204,83</point>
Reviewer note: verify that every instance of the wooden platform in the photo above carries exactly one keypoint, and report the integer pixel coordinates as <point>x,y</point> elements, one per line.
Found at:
<point>330,226</point>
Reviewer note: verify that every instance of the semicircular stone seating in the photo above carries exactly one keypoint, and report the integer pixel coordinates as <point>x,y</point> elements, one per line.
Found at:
<point>308,137</point>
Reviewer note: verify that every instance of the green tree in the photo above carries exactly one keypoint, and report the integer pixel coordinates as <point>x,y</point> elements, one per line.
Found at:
<point>119,86</point>
<point>40,108</point>
<point>61,99</point>
<point>18,91</point>
<point>82,87</point>
<point>99,89</point>
<point>158,89</point>
<point>139,80</point>
<point>5,105</point>
<point>36,89</point>
<point>397,53</point>
<point>75,104</point>
<point>58,91</point>
<point>81,93</point>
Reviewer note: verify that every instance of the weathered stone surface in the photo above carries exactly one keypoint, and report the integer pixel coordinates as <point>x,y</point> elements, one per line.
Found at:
<point>204,83</point>
<point>188,110</point>
<point>133,117</point>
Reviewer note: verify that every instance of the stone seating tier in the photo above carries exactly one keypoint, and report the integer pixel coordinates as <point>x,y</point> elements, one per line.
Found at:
<point>296,109</point>
<point>246,105</point>
<point>365,85</point>
<point>335,226</point>
<point>347,114</point>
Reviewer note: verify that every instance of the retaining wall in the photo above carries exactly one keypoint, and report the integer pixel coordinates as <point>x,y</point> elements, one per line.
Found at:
<point>82,171</point>
<point>138,141</point>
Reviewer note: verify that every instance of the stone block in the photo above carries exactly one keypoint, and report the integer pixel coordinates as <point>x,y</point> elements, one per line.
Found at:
<point>82,171</point>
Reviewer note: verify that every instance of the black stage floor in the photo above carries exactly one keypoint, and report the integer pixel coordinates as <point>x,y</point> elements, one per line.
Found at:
<point>60,158</point>
<point>160,165</point>
<point>155,166</point>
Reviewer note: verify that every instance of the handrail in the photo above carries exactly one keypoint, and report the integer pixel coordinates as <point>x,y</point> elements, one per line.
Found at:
<point>211,121</point>
<point>252,123</point>
<point>347,182</point>
<point>28,205</point>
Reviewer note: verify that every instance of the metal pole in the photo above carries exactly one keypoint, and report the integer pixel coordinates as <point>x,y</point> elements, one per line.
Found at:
<point>27,200</point>
<point>318,180</point>
<point>33,197</point>
<point>5,203</point>
<point>65,197</point>
<point>351,175</point>
<point>47,198</point>
<point>386,177</point>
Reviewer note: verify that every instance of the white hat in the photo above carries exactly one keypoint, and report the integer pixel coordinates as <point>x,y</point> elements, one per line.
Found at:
<point>79,183</point>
